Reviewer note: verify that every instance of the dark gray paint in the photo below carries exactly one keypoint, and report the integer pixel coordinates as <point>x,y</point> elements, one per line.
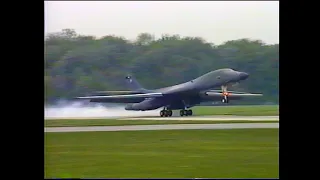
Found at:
<point>179,96</point>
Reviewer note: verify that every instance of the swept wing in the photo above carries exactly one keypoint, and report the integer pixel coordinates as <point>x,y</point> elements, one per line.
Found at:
<point>100,93</point>
<point>123,98</point>
<point>145,95</point>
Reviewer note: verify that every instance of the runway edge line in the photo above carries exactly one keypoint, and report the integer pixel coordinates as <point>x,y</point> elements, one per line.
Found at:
<point>162,127</point>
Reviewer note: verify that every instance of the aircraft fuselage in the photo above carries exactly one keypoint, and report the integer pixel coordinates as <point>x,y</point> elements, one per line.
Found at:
<point>188,94</point>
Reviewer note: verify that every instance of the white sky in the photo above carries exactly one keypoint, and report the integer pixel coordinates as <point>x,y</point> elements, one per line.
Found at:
<point>215,21</point>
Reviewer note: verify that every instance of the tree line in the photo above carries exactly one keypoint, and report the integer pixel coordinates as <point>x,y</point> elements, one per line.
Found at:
<point>78,64</point>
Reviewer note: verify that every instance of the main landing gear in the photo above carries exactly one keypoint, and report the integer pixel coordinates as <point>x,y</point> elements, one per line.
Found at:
<point>165,113</point>
<point>183,112</point>
<point>186,112</point>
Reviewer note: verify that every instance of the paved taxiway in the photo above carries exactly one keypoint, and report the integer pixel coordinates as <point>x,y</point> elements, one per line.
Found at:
<point>162,127</point>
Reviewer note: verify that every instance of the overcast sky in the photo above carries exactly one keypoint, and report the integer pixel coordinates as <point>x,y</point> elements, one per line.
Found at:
<point>215,21</point>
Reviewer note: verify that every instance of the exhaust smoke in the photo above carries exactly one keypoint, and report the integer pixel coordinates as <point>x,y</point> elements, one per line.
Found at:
<point>80,110</point>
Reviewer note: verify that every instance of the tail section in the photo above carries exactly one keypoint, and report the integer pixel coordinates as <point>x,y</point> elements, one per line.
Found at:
<point>134,85</point>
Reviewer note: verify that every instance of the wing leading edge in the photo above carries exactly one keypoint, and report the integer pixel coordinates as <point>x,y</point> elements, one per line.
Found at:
<point>109,93</point>
<point>126,96</point>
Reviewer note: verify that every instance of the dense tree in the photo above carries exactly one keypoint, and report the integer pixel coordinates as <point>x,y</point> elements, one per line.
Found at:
<point>78,64</point>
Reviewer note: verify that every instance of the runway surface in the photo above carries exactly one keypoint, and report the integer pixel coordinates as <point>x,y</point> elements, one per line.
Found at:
<point>162,127</point>
<point>209,118</point>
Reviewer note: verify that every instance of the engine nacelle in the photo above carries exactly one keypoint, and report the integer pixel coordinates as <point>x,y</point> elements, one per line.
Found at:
<point>148,104</point>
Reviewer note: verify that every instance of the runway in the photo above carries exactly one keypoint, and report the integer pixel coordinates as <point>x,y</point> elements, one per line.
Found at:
<point>209,118</point>
<point>163,127</point>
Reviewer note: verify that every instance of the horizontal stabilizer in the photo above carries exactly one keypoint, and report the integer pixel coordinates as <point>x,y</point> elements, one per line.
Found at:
<point>232,94</point>
<point>147,95</point>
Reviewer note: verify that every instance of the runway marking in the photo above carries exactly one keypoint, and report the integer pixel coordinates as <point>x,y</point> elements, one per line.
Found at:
<point>163,127</point>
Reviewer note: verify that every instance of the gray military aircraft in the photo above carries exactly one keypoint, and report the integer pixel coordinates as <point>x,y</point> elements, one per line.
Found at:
<point>178,97</point>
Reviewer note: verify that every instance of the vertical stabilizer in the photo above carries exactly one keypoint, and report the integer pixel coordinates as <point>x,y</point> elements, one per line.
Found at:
<point>133,84</point>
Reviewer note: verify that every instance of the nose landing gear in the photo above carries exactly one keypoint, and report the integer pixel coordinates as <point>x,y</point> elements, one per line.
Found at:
<point>224,94</point>
<point>225,100</point>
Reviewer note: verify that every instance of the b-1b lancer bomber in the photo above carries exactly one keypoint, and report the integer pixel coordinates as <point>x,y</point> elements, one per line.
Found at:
<point>178,97</point>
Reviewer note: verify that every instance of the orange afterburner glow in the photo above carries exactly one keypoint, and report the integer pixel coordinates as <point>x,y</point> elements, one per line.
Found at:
<point>225,94</point>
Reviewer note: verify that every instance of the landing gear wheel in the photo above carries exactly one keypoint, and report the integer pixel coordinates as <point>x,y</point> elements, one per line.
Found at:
<point>182,113</point>
<point>189,112</point>
<point>225,100</point>
<point>166,113</point>
<point>162,113</point>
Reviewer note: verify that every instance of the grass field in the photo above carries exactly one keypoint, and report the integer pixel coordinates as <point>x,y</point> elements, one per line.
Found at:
<point>113,122</point>
<point>247,153</point>
<point>270,110</point>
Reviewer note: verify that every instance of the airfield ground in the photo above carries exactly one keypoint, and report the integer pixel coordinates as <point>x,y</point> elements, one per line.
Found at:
<point>267,110</point>
<point>113,122</point>
<point>205,153</point>
<point>241,153</point>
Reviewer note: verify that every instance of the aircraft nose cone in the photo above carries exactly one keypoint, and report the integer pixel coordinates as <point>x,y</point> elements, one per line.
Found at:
<point>243,75</point>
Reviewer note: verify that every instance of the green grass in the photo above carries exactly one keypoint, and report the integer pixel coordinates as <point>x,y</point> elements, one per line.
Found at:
<point>272,110</point>
<point>110,122</point>
<point>246,153</point>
